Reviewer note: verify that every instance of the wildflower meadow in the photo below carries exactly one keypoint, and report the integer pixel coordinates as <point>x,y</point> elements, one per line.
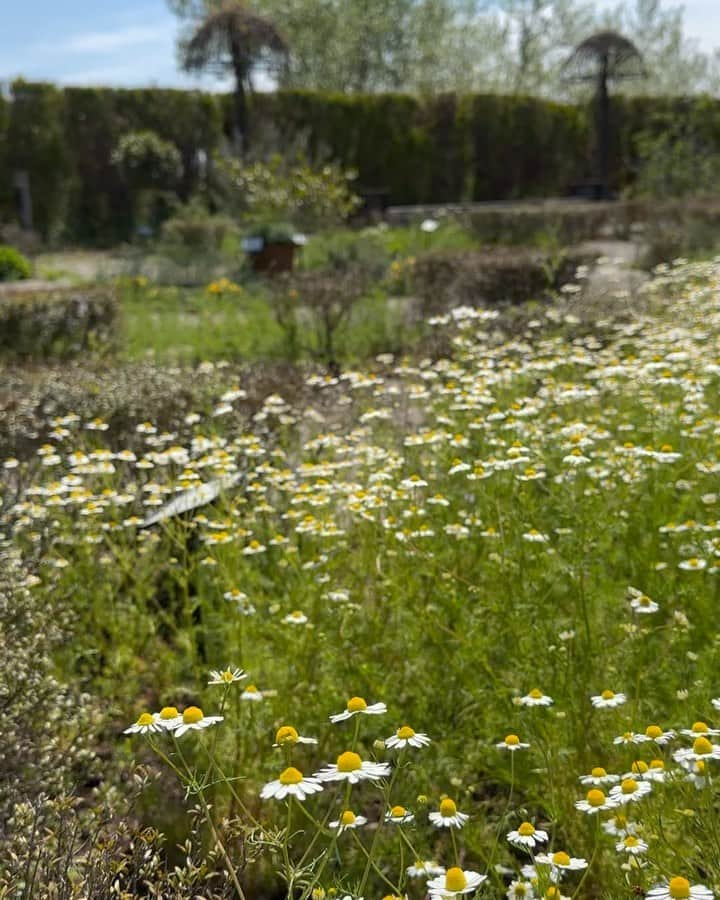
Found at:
<point>443,627</point>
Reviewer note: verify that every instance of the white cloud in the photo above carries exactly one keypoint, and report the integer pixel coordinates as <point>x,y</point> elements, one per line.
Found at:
<point>118,39</point>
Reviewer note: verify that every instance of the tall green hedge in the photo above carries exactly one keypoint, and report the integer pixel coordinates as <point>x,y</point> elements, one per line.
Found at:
<point>443,149</point>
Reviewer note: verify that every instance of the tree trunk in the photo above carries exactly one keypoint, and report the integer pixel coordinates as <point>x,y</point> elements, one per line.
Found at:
<point>241,131</point>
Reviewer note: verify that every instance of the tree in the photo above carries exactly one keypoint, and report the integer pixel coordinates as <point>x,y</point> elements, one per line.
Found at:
<point>232,37</point>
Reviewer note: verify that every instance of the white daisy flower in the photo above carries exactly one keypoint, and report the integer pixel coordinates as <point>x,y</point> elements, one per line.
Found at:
<point>146,724</point>
<point>629,791</point>
<point>295,618</point>
<point>356,705</point>
<point>642,604</point>
<point>619,826</point>
<point>169,718</point>
<point>595,801</point>
<point>701,749</point>
<point>448,815</point>
<point>561,861</point>
<point>398,815</point>
<point>631,844</point>
<point>193,719</point>
<point>655,733</point>
<point>598,775</point>
<point>290,783</point>
<point>405,737</point>
<point>454,883</point>
<point>350,767</point>
<point>535,698</point>
<point>608,700</point>
<point>630,737</point>
<point>252,694</point>
<point>511,742</point>
<point>347,820</point>
<point>228,676</point>
<point>699,729</point>
<point>679,888</point>
<point>424,868</point>
<point>692,565</point>
<point>520,890</point>
<point>286,735</point>
<point>527,835</point>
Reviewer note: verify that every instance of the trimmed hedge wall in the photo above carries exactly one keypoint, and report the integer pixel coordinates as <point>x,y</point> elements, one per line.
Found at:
<point>439,150</point>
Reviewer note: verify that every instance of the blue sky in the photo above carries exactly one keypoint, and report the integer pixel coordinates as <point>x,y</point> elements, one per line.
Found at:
<point>132,42</point>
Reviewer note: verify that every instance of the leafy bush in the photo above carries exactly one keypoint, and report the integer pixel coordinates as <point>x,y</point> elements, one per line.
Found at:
<point>146,160</point>
<point>13,265</point>
<point>193,229</point>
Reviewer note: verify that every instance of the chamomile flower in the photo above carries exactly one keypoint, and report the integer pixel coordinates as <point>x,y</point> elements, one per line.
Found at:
<point>693,564</point>
<point>630,791</point>
<point>228,676</point>
<point>193,719</point>
<point>351,768</point>
<point>169,718</point>
<point>297,617</point>
<point>535,698</point>
<point>356,706</point>
<point>561,861</point>
<point>679,888</point>
<point>286,736</point>
<point>424,868</point>
<point>630,737</point>
<point>511,742</point>
<point>608,700</point>
<point>699,729</point>
<point>618,826</point>
<point>146,724</point>
<point>527,835</point>
<point>347,820</point>
<point>598,775</point>
<point>595,801</point>
<point>660,737</point>
<point>454,883</point>
<point>632,845</point>
<point>642,604</point>
<point>398,815</point>
<point>290,783</point>
<point>702,748</point>
<point>448,816</point>
<point>520,890</point>
<point>653,771</point>
<point>406,737</point>
<point>252,694</point>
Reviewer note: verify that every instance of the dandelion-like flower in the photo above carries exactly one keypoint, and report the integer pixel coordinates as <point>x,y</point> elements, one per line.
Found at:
<point>356,706</point>
<point>347,820</point>
<point>527,835</point>
<point>227,676</point>
<point>679,888</point>
<point>291,783</point>
<point>448,816</point>
<point>194,719</point>
<point>454,883</point>
<point>406,737</point>
<point>350,767</point>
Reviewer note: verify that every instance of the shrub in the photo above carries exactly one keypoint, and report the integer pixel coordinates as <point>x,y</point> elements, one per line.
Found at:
<point>193,229</point>
<point>13,265</point>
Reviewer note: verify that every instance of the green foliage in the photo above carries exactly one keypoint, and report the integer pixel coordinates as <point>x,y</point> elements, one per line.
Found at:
<point>146,160</point>
<point>278,189</point>
<point>192,229</point>
<point>13,265</point>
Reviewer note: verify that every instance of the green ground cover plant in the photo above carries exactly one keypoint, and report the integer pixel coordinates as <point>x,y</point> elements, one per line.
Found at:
<point>448,626</point>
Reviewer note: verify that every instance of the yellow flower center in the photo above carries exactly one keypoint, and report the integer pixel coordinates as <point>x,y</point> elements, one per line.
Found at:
<point>286,735</point>
<point>291,775</point>
<point>653,731</point>
<point>657,764</point>
<point>397,812</point>
<point>628,736</point>
<point>145,719</point>
<point>251,689</point>
<point>349,762</point>
<point>192,715</point>
<point>447,808</point>
<point>598,772</point>
<point>639,767</point>
<point>596,798</point>
<point>512,740</point>
<point>631,841</point>
<point>526,829</point>
<point>455,879</point>
<point>348,817</point>
<point>227,676</point>
<point>699,728</point>
<point>629,786</point>
<point>169,712</point>
<point>607,695</point>
<point>535,693</point>
<point>561,858</point>
<point>679,888</point>
<point>405,733</point>
<point>356,704</point>
<point>552,893</point>
<point>702,746</point>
